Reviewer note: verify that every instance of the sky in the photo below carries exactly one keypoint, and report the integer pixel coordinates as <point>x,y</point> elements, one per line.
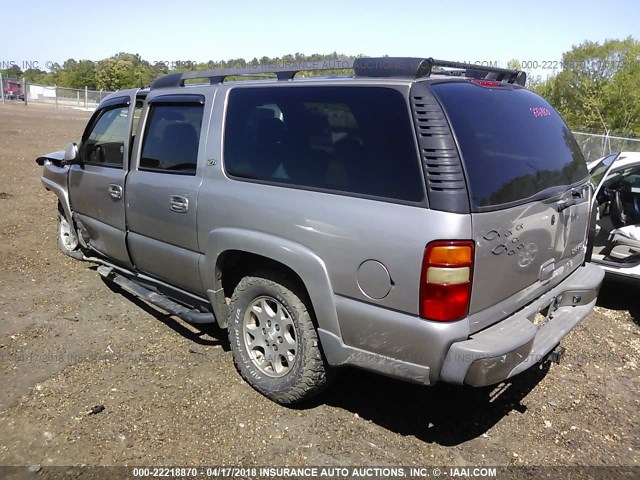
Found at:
<point>168,31</point>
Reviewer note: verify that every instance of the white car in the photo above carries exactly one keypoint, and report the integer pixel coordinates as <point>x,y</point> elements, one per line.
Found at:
<point>615,236</point>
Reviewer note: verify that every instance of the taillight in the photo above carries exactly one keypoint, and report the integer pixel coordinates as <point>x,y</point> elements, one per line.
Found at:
<point>445,288</point>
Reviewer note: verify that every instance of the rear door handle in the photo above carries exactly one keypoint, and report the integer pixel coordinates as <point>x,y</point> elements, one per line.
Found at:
<point>179,204</point>
<point>115,191</point>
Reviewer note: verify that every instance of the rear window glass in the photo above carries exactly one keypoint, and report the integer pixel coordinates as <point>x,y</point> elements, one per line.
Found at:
<point>514,144</point>
<point>354,140</point>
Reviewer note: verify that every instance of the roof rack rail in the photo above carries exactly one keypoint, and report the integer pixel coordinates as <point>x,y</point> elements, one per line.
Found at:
<point>424,67</point>
<point>282,73</point>
<point>380,67</point>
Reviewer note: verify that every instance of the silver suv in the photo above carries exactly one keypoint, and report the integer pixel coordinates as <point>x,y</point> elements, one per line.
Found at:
<point>419,218</point>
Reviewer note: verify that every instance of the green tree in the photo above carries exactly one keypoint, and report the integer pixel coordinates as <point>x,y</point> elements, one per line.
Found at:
<point>514,64</point>
<point>13,71</point>
<point>34,75</point>
<point>598,88</point>
<point>125,70</point>
<point>77,74</point>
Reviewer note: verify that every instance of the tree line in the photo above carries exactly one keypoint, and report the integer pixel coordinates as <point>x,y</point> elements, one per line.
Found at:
<point>597,88</point>
<point>127,70</point>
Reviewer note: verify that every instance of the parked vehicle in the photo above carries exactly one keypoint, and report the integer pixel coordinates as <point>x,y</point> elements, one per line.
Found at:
<point>616,239</point>
<point>12,90</point>
<point>422,219</point>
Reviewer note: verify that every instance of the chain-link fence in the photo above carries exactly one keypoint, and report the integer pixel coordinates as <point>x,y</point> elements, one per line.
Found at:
<point>65,97</point>
<point>595,146</point>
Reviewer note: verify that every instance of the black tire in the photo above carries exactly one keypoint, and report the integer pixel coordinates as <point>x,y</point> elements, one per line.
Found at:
<point>305,376</point>
<point>67,240</point>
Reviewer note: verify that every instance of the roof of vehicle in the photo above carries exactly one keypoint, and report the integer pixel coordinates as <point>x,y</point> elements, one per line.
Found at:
<point>628,157</point>
<point>624,159</point>
<point>389,70</point>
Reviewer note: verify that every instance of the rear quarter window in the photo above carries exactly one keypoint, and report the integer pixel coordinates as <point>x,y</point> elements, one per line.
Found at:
<point>513,143</point>
<point>349,139</point>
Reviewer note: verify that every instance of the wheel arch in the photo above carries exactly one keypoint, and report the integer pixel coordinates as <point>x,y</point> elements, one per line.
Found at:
<point>228,248</point>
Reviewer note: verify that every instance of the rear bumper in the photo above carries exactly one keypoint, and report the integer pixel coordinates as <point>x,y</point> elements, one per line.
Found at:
<point>422,351</point>
<point>515,344</point>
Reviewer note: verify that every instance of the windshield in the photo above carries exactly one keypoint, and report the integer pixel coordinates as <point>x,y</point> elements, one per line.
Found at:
<point>597,172</point>
<point>514,144</point>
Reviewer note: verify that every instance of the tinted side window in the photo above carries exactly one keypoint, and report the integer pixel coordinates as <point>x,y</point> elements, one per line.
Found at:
<point>514,144</point>
<point>105,143</point>
<point>347,139</point>
<point>171,139</point>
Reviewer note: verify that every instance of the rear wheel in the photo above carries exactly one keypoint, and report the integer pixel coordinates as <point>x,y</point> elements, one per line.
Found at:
<point>67,240</point>
<point>274,341</point>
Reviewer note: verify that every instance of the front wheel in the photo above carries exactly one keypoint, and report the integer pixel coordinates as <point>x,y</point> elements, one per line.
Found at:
<point>67,240</point>
<point>274,341</point>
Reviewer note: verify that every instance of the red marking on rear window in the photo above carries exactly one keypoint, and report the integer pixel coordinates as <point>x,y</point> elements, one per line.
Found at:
<point>540,112</point>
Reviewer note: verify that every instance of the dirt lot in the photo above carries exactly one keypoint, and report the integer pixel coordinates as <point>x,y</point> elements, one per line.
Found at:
<point>172,396</point>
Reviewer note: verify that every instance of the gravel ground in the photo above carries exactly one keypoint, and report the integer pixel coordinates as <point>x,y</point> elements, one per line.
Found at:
<point>69,342</point>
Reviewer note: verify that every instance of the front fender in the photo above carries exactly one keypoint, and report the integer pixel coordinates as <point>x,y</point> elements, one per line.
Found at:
<point>54,178</point>
<point>298,258</point>
<point>54,157</point>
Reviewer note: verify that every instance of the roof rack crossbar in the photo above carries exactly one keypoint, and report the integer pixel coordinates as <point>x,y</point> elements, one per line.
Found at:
<point>282,73</point>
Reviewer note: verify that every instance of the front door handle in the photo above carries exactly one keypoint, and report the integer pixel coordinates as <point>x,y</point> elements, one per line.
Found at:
<point>179,204</point>
<point>115,191</point>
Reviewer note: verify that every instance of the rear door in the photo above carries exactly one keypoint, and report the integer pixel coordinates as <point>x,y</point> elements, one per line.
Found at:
<point>96,186</point>
<point>528,188</point>
<point>162,190</point>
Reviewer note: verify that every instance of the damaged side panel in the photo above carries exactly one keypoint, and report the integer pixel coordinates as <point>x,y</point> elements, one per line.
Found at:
<point>54,179</point>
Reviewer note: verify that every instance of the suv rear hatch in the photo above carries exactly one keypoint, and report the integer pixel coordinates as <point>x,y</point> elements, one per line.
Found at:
<point>528,191</point>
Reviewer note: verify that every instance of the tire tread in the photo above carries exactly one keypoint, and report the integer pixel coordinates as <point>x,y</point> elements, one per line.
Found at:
<point>314,372</point>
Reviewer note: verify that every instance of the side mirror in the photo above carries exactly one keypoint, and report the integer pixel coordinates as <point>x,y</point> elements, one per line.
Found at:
<point>71,154</point>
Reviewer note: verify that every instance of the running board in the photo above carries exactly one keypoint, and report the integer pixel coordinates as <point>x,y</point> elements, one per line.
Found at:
<point>157,299</point>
